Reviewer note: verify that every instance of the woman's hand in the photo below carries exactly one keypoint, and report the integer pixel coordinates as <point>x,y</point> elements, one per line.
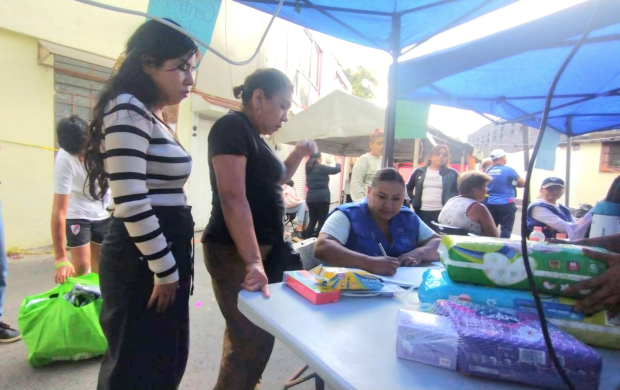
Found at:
<point>411,259</point>
<point>607,294</point>
<point>163,296</point>
<point>383,265</point>
<point>256,279</point>
<point>306,148</point>
<point>64,270</point>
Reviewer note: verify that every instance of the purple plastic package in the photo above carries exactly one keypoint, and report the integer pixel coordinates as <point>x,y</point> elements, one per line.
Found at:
<point>427,338</point>
<point>507,345</point>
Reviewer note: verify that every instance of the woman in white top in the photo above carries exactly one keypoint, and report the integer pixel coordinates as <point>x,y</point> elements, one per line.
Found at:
<point>466,210</point>
<point>434,184</point>
<point>295,205</point>
<point>78,223</point>
<point>146,263</point>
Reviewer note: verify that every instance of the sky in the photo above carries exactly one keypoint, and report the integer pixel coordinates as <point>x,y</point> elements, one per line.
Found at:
<point>455,122</point>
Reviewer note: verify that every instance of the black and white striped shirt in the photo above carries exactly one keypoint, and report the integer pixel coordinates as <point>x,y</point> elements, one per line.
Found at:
<point>146,168</point>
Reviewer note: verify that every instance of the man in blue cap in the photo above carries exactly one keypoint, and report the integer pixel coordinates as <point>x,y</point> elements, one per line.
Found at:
<point>545,211</point>
<point>501,201</point>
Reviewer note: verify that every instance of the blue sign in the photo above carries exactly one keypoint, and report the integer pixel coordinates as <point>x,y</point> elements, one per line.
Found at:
<point>196,16</point>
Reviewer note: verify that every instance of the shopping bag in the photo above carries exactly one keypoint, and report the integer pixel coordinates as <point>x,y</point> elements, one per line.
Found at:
<point>53,329</point>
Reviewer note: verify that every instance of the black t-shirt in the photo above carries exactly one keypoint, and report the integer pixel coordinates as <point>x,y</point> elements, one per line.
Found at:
<point>234,134</point>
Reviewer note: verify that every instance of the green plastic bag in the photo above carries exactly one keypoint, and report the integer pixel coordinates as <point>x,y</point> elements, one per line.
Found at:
<point>55,330</point>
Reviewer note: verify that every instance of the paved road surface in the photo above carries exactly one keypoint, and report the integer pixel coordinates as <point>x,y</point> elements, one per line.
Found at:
<point>33,275</point>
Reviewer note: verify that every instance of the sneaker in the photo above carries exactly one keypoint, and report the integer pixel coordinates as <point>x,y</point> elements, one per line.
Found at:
<point>8,334</point>
<point>297,236</point>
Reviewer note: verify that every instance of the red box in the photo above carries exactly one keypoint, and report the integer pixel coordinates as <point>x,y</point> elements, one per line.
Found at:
<point>303,282</point>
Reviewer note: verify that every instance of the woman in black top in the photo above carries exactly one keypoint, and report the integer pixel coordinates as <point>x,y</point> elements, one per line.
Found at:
<point>434,184</point>
<point>318,196</point>
<point>242,241</point>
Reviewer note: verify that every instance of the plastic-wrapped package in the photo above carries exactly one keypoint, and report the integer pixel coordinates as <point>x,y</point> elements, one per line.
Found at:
<point>599,329</point>
<point>498,262</point>
<point>426,338</point>
<point>346,278</point>
<point>503,344</point>
<point>82,295</point>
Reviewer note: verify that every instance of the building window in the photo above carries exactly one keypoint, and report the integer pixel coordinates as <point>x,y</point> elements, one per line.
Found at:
<point>610,157</point>
<point>77,85</point>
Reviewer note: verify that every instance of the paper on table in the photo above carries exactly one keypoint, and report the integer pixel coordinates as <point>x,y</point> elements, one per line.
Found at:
<point>407,276</point>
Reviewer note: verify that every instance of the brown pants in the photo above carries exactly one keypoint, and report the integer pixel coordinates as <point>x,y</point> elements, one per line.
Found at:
<point>247,347</point>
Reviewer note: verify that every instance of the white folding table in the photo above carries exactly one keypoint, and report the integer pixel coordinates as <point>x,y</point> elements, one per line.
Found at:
<point>351,344</point>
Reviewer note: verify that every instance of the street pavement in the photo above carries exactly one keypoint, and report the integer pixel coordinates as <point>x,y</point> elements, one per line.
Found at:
<point>33,274</point>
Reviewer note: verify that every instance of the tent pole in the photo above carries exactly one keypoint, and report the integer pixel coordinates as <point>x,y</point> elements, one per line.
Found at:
<point>569,150</point>
<point>416,153</point>
<point>390,112</point>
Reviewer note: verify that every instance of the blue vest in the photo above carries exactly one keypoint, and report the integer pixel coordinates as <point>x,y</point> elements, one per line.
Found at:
<point>365,235</point>
<point>563,213</point>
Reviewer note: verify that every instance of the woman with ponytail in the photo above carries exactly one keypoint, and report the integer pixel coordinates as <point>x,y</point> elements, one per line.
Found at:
<point>146,262</point>
<point>243,242</point>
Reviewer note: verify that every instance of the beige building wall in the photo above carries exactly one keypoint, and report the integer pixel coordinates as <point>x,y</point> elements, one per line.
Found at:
<point>26,117</point>
<point>588,184</point>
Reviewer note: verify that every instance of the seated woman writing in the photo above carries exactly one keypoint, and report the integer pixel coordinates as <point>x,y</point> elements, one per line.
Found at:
<point>377,234</point>
<point>466,211</point>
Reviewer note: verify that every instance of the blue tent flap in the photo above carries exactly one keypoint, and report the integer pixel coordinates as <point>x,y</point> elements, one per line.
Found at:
<point>508,74</point>
<point>370,22</point>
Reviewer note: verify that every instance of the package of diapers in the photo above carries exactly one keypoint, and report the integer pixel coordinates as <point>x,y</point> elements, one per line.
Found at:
<point>506,345</point>
<point>498,262</point>
<point>346,278</point>
<point>599,329</point>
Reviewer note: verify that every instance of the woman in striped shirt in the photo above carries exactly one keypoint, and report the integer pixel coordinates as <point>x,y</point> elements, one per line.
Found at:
<point>146,261</point>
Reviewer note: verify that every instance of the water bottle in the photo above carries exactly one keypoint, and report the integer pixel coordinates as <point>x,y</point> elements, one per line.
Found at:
<point>560,236</point>
<point>537,233</point>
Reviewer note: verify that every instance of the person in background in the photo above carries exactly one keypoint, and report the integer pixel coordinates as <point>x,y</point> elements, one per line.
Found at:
<point>318,196</point>
<point>7,334</point>
<point>545,211</point>
<point>295,205</point>
<point>378,234</point>
<point>78,223</point>
<point>466,211</point>
<point>146,262</point>
<point>366,166</point>
<point>243,243</point>
<point>485,164</point>
<point>434,184</point>
<point>501,202</point>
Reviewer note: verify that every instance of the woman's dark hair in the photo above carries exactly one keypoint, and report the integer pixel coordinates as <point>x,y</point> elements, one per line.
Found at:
<point>613,195</point>
<point>72,134</point>
<point>435,151</point>
<point>470,180</point>
<point>290,183</point>
<point>270,80</point>
<point>386,174</point>
<point>313,162</point>
<point>150,45</point>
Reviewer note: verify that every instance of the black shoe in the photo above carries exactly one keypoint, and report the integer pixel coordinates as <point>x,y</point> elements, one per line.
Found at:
<point>8,335</point>
<point>297,236</point>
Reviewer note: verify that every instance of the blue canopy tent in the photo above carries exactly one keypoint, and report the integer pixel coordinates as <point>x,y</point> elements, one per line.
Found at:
<point>508,74</point>
<point>511,75</point>
<point>389,25</point>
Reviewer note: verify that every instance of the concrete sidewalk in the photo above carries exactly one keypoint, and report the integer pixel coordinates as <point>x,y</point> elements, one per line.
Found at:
<point>33,274</point>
